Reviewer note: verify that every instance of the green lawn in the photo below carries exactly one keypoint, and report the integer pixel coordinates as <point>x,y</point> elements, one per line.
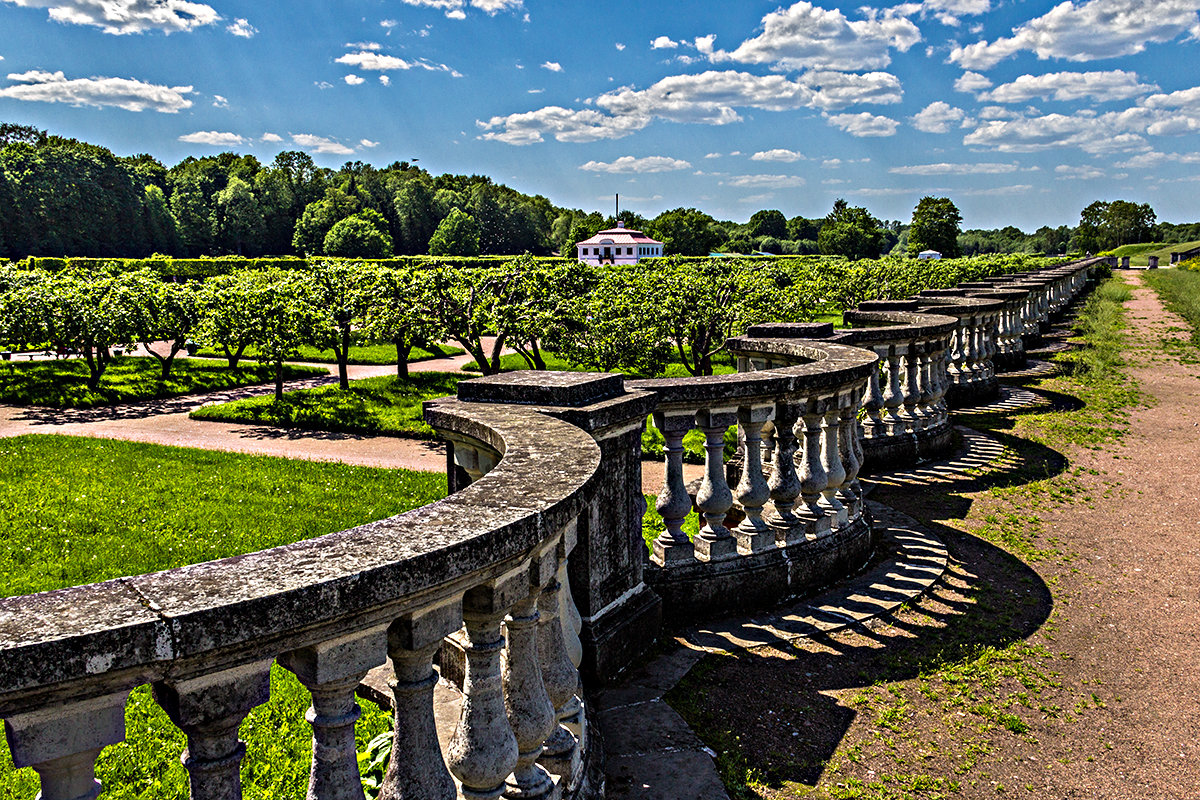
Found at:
<point>373,353</point>
<point>1139,254</point>
<point>63,383</point>
<point>80,510</point>
<point>383,405</point>
<point>1179,290</point>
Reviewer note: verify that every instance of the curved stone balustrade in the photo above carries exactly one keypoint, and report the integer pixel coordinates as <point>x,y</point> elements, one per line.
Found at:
<point>330,609</point>
<point>534,567</point>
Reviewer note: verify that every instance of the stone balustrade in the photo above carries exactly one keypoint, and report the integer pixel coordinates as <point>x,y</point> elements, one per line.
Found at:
<point>534,567</point>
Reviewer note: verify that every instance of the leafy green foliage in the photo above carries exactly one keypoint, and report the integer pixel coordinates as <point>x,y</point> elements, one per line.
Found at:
<point>935,226</point>
<point>685,232</point>
<point>358,236</point>
<point>1106,224</point>
<point>850,231</point>
<point>456,235</point>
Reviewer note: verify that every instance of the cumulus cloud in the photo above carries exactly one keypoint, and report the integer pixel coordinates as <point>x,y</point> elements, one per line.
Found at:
<point>764,181</point>
<point>128,16</point>
<point>385,80</point>
<point>373,61</point>
<point>972,82</point>
<point>947,12</point>
<point>631,164</point>
<point>619,45</point>
<point>321,144</point>
<point>938,117</point>
<point>864,124</point>
<point>354,80</point>
<point>805,36</point>
<point>710,98</point>
<point>367,143</point>
<point>1067,86</point>
<point>778,154</point>
<point>243,28</point>
<point>455,9</point>
<point>1155,158</point>
<point>271,137</point>
<point>127,93</point>
<point>1087,31</point>
<point>663,43</point>
<point>1078,173</point>
<point>214,138</point>
<point>975,168</point>
<point>553,66</point>
<point>220,102</point>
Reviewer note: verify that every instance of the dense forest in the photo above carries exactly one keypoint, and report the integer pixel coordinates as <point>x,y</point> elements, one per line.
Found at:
<point>64,197</point>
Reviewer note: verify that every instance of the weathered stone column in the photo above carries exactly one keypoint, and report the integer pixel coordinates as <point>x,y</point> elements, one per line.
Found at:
<point>560,754</point>
<point>813,479</point>
<point>893,395</point>
<point>784,483</point>
<point>673,504</point>
<point>873,404</point>
<point>912,387</point>
<point>753,534</point>
<point>332,671</point>
<point>714,499</point>
<point>530,712</point>
<point>417,770</point>
<point>831,461</point>
<point>850,449</point>
<point>209,709</point>
<point>61,743</point>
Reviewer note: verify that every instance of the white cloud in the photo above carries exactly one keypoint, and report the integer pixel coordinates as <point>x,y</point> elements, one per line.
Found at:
<point>972,82</point>
<point>385,80</point>
<point>778,154</point>
<point>938,117</point>
<point>831,163</point>
<point>631,164</point>
<point>1067,86</point>
<point>1087,31</point>
<point>128,16</point>
<point>1111,132</point>
<point>127,93</point>
<point>1155,158</point>
<point>454,9</point>
<point>805,36</point>
<point>354,80</point>
<point>367,143</point>
<point>663,43</point>
<point>864,124</point>
<point>949,12</point>
<point>710,98</point>
<point>323,84</point>
<point>214,138</point>
<point>364,46</point>
<point>1078,173</point>
<point>764,181</point>
<point>713,155</point>
<point>321,144</point>
<point>534,91</point>
<point>619,45</point>
<point>381,62</point>
<point>243,28</point>
<point>977,168</point>
<point>553,66</point>
<point>388,23</point>
<point>220,102</point>
<point>272,137</point>
<point>704,44</point>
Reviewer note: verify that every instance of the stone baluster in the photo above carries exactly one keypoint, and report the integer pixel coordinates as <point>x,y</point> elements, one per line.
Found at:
<point>209,710</point>
<point>417,769</point>
<point>753,534</point>
<point>331,671</point>
<point>926,379</point>
<point>560,755</point>
<point>873,402</point>
<point>483,751</point>
<point>714,499</point>
<point>941,380</point>
<point>831,461</point>
<point>568,612</point>
<point>784,483</point>
<point>62,741</point>
<point>893,395</point>
<point>848,447</point>
<point>531,713</point>
<point>813,479</point>
<point>674,504</point>
<point>970,351</point>
<point>912,387</point>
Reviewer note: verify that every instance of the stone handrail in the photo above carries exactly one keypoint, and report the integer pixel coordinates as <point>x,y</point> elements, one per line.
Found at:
<point>537,555</point>
<point>329,609</point>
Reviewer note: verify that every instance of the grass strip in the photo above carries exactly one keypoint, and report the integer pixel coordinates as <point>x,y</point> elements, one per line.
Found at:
<point>369,353</point>
<point>63,383</point>
<point>78,510</point>
<point>384,405</point>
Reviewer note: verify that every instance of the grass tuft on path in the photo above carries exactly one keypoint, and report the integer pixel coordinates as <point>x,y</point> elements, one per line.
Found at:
<point>369,353</point>
<point>63,384</point>
<point>384,405</point>
<point>77,510</point>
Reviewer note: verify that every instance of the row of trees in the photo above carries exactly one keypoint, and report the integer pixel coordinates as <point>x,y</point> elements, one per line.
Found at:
<point>637,318</point>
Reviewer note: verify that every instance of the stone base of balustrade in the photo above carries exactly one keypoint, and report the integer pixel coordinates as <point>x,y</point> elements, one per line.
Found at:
<point>960,395</point>
<point>1010,362</point>
<point>890,452</point>
<point>701,590</point>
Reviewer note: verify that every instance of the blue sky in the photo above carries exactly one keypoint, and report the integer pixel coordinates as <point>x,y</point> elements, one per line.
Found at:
<point>1021,112</point>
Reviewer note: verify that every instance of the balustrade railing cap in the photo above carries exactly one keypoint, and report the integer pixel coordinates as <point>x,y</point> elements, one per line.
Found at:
<point>543,387</point>
<point>888,305</point>
<point>959,305</point>
<point>879,326</point>
<point>791,330</point>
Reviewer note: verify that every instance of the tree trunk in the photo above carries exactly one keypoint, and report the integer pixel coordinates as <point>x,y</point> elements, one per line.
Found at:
<point>538,361</point>
<point>278,381</point>
<point>403,348</point>
<point>343,357</point>
<point>497,347</point>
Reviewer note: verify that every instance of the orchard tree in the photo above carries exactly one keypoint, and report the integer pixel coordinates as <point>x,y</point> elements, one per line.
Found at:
<point>343,294</point>
<point>404,313</point>
<point>457,235</point>
<point>170,313</point>
<point>541,299</point>
<point>465,303</point>
<point>935,226</point>
<point>850,231</point>
<point>228,305</point>
<point>287,316</point>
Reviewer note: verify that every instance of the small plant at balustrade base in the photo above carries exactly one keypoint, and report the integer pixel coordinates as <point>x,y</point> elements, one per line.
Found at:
<point>372,763</point>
